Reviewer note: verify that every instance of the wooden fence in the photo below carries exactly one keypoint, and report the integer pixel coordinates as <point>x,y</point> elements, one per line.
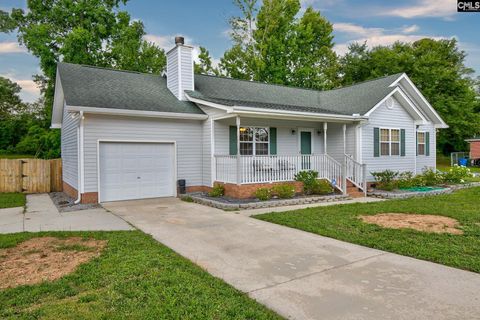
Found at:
<point>30,175</point>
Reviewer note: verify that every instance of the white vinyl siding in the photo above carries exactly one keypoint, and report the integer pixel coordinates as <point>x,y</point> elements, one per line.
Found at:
<point>397,118</point>
<point>186,133</point>
<point>172,72</point>
<point>180,71</point>
<point>69,149</point>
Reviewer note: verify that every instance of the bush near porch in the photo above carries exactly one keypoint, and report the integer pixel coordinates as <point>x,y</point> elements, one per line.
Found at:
<point>389,180</point>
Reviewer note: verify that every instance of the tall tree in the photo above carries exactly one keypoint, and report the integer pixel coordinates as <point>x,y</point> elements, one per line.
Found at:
<point>437,68</point>
<point>205,65</point>
<point>10,102</point>
<point>90,32</point>
<point>271,44</point>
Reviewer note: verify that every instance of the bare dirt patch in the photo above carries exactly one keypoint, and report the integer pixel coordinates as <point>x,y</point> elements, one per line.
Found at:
<point>420,222</point>
<point>45,259</point>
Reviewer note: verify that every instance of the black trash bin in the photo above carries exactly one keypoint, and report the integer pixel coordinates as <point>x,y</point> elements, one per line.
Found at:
<point>182,189</point>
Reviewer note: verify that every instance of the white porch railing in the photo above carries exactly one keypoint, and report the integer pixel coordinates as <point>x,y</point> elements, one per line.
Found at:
<point>262,169</point>
<point>356,173</point>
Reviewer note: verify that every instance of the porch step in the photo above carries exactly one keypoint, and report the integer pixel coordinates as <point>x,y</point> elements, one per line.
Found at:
<point>353,191</point>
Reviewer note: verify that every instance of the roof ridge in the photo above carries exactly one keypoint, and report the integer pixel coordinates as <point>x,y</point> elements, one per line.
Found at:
<point>109,68</point>
<point>299,88</point>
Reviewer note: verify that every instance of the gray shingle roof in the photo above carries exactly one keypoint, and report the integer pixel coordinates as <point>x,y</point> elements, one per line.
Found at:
<point>89,86</point>
<point>358,98</point>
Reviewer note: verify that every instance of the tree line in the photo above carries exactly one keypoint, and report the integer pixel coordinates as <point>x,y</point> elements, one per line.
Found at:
<point>273,41</point>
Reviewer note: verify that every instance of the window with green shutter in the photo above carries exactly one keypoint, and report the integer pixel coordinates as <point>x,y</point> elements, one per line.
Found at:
<point>376,142</point>
<point>427,143</point>
<point>402,142</point>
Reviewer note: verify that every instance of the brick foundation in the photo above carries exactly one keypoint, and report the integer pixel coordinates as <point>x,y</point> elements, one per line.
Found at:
<point>245,191</point>
<point>88,197</point>
<point>197,189</point>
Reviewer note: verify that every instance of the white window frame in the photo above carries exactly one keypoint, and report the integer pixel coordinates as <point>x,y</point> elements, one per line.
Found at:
<point>254,142</point>
<point>390,142</point>
<point>424,143</point>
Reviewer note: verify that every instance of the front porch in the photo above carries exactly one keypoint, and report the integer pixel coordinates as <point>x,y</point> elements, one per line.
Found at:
<point>275,150</point>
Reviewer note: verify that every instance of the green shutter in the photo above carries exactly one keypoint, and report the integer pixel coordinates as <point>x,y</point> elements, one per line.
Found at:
<point>273,141</point>
<point>402,142</point>
<point>416,142</point>
<point>233,140</point>
<point>376,142</point>
<point>427,143</point>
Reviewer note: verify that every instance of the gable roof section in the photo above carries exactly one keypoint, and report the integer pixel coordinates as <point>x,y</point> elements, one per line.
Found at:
<point>355,99</point>
<point>93,87</point>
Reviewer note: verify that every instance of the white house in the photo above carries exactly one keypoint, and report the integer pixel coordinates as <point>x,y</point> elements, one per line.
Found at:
<point>128,135</point>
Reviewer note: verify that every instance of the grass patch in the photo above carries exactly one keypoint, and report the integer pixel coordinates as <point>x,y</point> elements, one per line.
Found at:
<point>134,278</point>
<point>16,156</point>
<point>73,247</point>
<point>342,222</point>
<point>11,200</point>
<point>446,167</point>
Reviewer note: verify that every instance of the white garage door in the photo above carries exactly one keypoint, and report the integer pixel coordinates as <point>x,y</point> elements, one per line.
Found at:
<point>136,170</point>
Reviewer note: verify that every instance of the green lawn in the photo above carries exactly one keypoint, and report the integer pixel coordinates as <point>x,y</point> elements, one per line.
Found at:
<point>342,222</point>
<point>11,200</point>
<point>134,278</point>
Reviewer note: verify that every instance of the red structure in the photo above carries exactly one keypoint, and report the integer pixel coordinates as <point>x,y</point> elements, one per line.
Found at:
<point>474,148</point>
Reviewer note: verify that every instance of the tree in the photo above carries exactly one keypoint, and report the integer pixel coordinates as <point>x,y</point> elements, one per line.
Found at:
<point>272,45</point>
<point>437,68</point>
<point>10,102</point>
<point>90,32</point>
<point>205,65</point>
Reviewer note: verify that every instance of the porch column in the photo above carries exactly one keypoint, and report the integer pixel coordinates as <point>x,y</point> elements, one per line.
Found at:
<point>239,163</point>
<point>213,163</point>
<point>344,138</point>
<point>325,138</point>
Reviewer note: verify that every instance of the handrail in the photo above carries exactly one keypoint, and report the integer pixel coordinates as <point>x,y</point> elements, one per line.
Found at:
<point>356,172</point>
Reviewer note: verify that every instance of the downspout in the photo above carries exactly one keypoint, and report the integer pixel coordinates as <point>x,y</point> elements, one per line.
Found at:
<point>80,158</point>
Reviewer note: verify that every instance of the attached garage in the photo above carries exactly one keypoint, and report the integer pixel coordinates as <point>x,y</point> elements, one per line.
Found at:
<point>136,170</point>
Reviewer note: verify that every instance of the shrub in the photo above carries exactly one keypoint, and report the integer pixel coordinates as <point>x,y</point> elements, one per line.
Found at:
<point>322,187</point>
<point>457,174</point>
<point>263,194</point>
<point>218,190</point>
<point>309,179</point>
<point>431,177</point>
<point>385,180</point>
<point>284,191</point>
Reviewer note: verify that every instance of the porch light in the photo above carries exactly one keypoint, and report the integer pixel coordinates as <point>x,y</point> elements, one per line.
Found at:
<point>242,129</point>
<point>319,132</point>
<point>293,131</point>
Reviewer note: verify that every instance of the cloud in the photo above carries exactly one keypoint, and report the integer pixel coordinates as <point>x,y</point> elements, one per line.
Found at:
<point>167,42</point>
<point>423,8</point>
<point>351,29</point>
<point>410,29</point>
<point>376,36</point>
<point>11,47</point>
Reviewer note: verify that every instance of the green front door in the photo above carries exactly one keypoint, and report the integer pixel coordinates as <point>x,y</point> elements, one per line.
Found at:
<point>305,142</point>
<point>305,148</point>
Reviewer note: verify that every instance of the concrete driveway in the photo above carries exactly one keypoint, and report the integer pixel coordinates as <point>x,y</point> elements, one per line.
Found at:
<point>302,275</point>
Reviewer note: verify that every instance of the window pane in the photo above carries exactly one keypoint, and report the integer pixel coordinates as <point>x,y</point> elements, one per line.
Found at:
<point>421,137</point>
<point>384,135</point>
<point>421,149</point>
<point>395,149</point>
<point>261,134</point>
<point>395,135</point>
<point>261,149</point>
<point>246,134</point>
<point>385,149</point>
<point>246,149</point>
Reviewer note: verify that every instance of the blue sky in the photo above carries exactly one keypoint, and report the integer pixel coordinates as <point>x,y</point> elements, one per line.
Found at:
<point>205,23</point>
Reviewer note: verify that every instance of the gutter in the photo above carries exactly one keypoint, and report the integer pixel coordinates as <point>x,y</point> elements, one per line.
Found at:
<point>80,133</point>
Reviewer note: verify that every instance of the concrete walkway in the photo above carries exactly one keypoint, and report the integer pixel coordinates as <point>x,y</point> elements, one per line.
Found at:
<point>302,275</point>
<point>42,215</point>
